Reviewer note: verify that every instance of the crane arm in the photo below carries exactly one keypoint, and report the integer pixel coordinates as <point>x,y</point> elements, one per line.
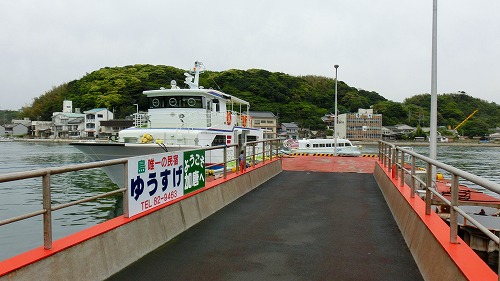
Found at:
<point>460,125</point>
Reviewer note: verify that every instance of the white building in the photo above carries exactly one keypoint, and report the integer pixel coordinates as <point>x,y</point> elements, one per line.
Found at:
<point>67,125</point>
<point>363,125</point>
<point>93,120</point>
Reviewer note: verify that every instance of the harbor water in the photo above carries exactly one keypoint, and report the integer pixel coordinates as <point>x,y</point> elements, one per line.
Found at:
<point>21,197</point>
<point>25,196</point>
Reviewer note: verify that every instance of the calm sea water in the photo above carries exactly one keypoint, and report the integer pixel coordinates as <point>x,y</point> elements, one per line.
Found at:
<point>483,161</point>
<point>25,196</point>
<point>21,197</point>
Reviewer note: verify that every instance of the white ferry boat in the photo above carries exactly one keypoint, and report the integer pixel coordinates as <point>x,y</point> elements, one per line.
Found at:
<point>181,119</point>
<point>312,146</point>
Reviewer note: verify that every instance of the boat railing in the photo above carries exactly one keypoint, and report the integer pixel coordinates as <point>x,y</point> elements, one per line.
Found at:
<point>254,155</point>
<point>393,159</point>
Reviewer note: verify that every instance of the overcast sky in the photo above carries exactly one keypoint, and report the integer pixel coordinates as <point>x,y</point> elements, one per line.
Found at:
<point>382,46</point>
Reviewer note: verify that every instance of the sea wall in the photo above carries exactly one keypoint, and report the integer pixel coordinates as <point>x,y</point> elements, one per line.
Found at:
<point>428,236</point>
<point>99,252</point>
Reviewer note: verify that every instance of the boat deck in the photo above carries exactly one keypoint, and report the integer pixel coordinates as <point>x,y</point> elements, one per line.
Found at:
<point>320,219</point>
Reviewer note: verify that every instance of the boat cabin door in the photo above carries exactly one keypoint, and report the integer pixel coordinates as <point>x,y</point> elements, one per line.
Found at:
<point>242,138</point>
<point>213,107</point>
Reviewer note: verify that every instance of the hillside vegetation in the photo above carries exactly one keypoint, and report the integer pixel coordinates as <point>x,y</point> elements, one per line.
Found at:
<point>303,99</point>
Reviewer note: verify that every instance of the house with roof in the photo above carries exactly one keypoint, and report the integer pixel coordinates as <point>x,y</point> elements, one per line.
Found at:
<point>41,129</point>
<point>67,125</point>
<point>289,131</point>
<point>93,120</point>
<point>15,130</point>
<point>265,120</point>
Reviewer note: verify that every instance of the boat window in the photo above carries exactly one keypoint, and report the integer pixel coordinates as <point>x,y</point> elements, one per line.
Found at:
<point>315,145</point>
<point>176,102</point>
<point>219,140</point>
<point>321,145</point>
<point>328,145</point>
<point>347,144</point>
<point>251,138</point>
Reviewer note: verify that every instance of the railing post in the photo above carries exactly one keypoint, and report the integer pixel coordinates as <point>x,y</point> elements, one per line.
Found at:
<point>389,159</point>
<point>253,154</point>
<point>396,168</point>
<point>386,147</point>
<point>402,180</point>
<point>236,156</point>
<point>125,192</point>
<point>380,151</point>
<point>428,190</point>
<point>270,150</point>
<point>263,152</point>
<point>47,215</point>
<point>412,180</point>
<point>277,148</point>
<point>225,162</point>
<point>453,213</point>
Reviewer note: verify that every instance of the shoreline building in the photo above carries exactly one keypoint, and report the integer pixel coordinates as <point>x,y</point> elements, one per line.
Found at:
<point>363,125</point>
<point>267,121</point>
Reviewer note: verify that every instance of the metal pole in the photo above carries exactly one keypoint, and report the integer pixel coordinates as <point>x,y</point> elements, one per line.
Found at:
<point>47,216</point>
<point>335,124</point>
<point>225,161</point>
<point>428,190</point>
<point>271,150</point>
<point>396,168</point>
<point>125,192</point>
<point>433,125</point>
<point>412,180</point>
<point>402,180</point>
<point>453,213</point>
<point>253,155</point>
<point>389,159</point>
<point>136,119</point>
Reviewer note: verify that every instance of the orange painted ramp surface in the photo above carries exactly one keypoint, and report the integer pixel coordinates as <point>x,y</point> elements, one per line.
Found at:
<point>329,164</point>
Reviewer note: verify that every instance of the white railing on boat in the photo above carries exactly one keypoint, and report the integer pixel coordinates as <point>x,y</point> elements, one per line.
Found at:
<point>393,157</point>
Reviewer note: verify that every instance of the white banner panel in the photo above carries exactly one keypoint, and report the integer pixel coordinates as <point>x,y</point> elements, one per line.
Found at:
<point>154,180</point>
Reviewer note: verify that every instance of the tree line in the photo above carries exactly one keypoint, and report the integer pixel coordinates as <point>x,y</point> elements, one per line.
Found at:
<point>300,99</point>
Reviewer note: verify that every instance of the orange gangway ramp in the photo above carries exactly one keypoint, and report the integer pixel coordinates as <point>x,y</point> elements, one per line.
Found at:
<point>329,164</point>
<point>300,225</point>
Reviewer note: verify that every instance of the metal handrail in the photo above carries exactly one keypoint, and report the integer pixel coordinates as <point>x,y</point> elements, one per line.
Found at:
<point>385,156</point>
<point>46,173</point>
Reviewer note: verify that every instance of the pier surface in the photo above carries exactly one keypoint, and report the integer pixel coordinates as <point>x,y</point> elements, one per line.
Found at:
<point>317,220</point>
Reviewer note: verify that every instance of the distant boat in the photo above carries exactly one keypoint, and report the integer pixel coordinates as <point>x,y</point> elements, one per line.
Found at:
<point>344,146</point>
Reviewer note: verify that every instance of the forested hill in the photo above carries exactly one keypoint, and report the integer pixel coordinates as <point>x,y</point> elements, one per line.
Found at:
<point>303,99</point>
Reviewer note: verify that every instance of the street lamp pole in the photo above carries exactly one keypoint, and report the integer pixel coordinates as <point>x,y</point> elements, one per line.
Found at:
<point>136,119</point>
<point>335,124</point>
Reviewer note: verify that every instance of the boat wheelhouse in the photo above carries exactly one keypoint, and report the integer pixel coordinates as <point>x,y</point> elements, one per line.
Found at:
<point>181,119</point>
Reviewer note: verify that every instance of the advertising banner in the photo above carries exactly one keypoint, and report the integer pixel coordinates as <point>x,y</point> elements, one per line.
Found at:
<point>156,179</point>
<point>194,170</point>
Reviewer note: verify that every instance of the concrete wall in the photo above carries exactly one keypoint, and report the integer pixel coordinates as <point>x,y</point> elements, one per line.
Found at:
<point>102,256</point>
<point>427,237</point>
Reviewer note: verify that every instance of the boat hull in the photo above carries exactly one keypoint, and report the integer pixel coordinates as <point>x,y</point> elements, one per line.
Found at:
<point>351,151</point>
<point>108,151</point>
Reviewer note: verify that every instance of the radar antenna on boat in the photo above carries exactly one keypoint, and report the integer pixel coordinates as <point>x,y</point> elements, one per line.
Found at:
<point>198,68</point>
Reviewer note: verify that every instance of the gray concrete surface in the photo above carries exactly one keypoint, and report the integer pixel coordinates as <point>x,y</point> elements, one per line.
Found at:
<point>296,226</point>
